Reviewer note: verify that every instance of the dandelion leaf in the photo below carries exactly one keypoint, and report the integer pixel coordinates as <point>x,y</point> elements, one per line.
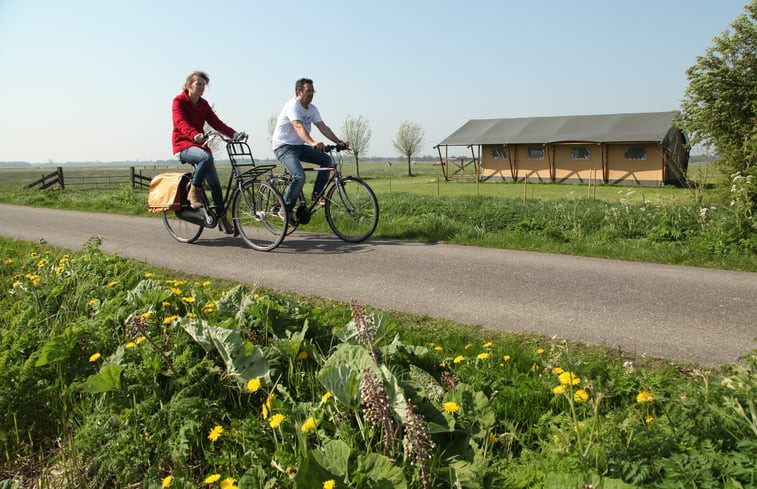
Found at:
<point>107,379</point>
<point>381,472</point>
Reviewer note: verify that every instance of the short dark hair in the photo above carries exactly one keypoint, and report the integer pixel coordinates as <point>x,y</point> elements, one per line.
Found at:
<point>300,84</point>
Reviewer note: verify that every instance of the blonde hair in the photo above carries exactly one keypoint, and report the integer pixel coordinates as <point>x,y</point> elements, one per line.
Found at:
<point>191,77</point>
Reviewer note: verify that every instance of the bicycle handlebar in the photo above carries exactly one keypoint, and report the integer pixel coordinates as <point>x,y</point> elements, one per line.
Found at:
<point>241,137</point>
<point>338,147</point>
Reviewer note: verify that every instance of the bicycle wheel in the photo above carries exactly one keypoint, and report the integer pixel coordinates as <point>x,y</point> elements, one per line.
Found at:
<point>181,230</point>
<point>352,210</point>
<point>256,215</point>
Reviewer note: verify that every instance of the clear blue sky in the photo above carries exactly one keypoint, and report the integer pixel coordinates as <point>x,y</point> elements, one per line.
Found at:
<point>88,80</point>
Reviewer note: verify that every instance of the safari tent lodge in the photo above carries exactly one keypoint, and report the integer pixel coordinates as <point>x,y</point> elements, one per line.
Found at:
<point>627,149</point>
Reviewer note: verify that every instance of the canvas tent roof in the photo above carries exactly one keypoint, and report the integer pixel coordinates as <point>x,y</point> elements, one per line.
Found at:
<point>649,126</point>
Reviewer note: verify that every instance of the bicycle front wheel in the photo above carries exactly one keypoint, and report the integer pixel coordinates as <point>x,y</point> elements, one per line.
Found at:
<point>181,230</point>
<point>258,213</point>
<point>352,210</point>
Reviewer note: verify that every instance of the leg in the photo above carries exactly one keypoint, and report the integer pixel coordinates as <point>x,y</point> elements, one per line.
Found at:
<point>211,177</point>
<point>289,156</point>
<point>312,155</point>
<point>200,159</point>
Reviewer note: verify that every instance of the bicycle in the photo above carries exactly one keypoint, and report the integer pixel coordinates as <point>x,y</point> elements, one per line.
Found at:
<point>254,203</point>
<point>349,204</point>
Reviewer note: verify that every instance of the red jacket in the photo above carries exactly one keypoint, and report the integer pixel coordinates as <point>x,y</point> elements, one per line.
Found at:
<point>189,120</point>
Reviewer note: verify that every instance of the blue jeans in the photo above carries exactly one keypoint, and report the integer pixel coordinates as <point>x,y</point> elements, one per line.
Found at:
<point>291,156</point>
<point>205,171</point>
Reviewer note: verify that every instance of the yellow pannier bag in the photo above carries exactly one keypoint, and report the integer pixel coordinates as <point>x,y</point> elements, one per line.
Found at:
<point>165,191</point>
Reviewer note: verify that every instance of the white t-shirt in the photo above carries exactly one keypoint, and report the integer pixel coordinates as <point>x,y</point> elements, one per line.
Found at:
<point>293,110</point>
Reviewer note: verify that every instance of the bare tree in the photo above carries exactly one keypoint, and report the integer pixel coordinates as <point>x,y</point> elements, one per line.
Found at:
<point>357,132</point>
<point>408,141</point>
<point>271,125</point>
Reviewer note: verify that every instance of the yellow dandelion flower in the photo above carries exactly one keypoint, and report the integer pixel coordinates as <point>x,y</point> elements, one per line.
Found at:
<point>255,297</point>
<point>458,359</point>
<point>488,344</point>
<point>8,261</point>
<point>112,283</point>
<point>438,348</point>
<point>302,355</point>
<point>264,411</point>
<point>148,275</point>
<point>566,378</point>
<point>580,396</point>
<point>534,367</point>
<point>451,407</point>
<point>492,439</point>
<point>170,319</point>
<point>140,340</point>
<point>94,357</point>
<point>228,483</point>
<point>215,433</point>
<point>92,302</point>
<point>16,285</point>
<point>557,370</point>
<point>468,346</point>
<point>42,263</point>
<point>165,304</point>
<point>443,365</point>
<point>130,344</point>
<point>290,469</point>
<point>191,315</point>
<point>166,482</point>
<point>649,420</point>
<point>253,385</point>
<point>559,390</point>
<point>188,300</point>
<point>506,358</point>
<point>644,396</point>
<point>276,420</point>
<point>147,315</point>
<point>175,291</point>
<point>325,398</point>
<point>329,484</point>
<point>206,283</point>
<point>212,478</point>
<point>540,351</point>
<point>483,356</point>
<point>308,425</point>
<point>269,400</point>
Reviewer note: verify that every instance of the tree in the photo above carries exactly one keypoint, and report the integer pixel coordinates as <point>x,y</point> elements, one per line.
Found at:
<point>720,104</point>
<point>271,126</point>
<point>409,140</point>
<point>357,132</point>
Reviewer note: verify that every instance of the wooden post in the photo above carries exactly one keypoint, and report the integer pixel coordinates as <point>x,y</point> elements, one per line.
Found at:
<point>132,178</point>
<point>60,178</point>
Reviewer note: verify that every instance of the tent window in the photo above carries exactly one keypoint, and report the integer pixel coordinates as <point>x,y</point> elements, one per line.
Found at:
<point>580,153</point>
<point>635,153</point>
<point>536,153</point>
<point>499,153</point>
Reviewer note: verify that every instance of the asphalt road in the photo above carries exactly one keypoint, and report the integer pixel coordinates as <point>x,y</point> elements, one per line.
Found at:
<point>677,313</point>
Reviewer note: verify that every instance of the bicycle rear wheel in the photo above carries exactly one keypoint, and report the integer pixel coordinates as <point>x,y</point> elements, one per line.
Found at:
<point>181,230</point>
<point>352,210</point>
<point>257,217</point>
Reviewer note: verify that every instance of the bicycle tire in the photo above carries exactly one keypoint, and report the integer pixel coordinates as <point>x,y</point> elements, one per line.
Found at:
<point>352,210</point>
<point>255,212</point>
<point>181,230</point>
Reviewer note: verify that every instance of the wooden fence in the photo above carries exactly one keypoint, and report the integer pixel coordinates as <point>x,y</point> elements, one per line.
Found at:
<point>135,179</point>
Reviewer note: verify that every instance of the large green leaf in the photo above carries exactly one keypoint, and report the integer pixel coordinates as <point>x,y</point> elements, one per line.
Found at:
<point>381,472</point>
<point>311,474</point>
<point>334,457</point>
<point>58,348</point>
<point>107,379</point>
<point>342,371</point>
<point>148,294</point>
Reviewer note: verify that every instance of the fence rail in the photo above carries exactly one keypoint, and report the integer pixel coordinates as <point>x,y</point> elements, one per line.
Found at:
<point>134,179</point>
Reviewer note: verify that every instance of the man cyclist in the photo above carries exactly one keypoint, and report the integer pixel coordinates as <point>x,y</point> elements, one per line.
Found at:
<point>293,144</point>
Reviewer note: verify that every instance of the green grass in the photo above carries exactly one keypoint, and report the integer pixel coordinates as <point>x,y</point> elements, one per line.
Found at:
<point>116,374</point>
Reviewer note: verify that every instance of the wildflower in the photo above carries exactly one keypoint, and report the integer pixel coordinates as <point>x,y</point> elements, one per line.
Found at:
<point>540,351</point>
<point>255,297</point>
<point>94,357</point>
<point>264,411</point>
<point>8,261</point>
<point>559,389</point>
<point>329,484</point>
<point>149,275</point>
<point>228,483</point>
<point>147,315</point>
<point>170,319</point>
<point>483,356</point>
<point>215,433</point>
<point>443,365</point>
<point>269,400</point>
<point>506,358</point>
<point>112,283</point>
<point>488,344</point>
<point>165,304</point>
<point>188,300</point>
<point>130,344</point>
<point>191,315</point>
<point>140,340</point>
<point>326,397</point>
<point>644,397</point>
<point>418,444</point>
<point>253,385</point>
<point>580,396</point>
<point>569,378</point>
<point>438,348</point>
<point>276,420</point>
<point>92,302</point>
<point>212,478</point>
<point>534,367</point>
<point>303,355</point>
<point>308,425</point>
<point>458,359</point>
<point>290,469</point>
<point>451,407</point>
<point>206,283</point>
<point>557,370</point>
<point>42,263</point>
<point>175,291</point>
<point>649,420</point>
<point>167,480</point>
<point>468,346</point>
<point>377,408</point>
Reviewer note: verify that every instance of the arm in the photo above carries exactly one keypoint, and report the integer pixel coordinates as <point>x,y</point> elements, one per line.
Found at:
<point>326,131</point>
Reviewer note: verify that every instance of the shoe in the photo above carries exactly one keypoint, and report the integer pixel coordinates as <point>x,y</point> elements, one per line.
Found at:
<point>320,200</point>
<point>288,216</point>
<point>226,226</point>
<point>195,197</point>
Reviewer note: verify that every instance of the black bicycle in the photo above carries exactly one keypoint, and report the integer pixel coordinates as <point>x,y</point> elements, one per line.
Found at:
<point>349,204</point>
<point>254,203</point>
